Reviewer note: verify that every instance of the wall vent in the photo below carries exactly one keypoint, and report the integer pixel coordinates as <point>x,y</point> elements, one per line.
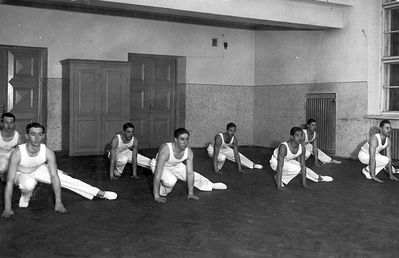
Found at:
<point>321,107</point>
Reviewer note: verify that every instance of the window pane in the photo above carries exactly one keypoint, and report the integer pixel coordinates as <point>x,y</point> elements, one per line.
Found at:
<point>394,75</point>
<point>393,99</point>
<point>394,19</point>
<point>394,44</point>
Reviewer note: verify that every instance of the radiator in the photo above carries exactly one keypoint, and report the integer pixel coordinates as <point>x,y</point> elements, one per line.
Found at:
<point>395,144</point>
<point>321,107</point>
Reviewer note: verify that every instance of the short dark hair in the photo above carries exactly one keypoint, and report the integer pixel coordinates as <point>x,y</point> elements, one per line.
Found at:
<point>230,125</point>
<point>35,125</point>
<point>127,125</point>
<point>383,122</point>
<point>294,130</point>
<point>311,120</point>
<point>180,131</point>
<point>7,114</point>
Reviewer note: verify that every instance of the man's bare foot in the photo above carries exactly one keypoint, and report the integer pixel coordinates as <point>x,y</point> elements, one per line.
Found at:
<point>135,177</point>
<point>219,172</point>
<point>116,175</point>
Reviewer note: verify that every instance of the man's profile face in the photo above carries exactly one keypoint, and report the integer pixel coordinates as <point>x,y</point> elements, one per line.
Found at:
<point>231,131</point>
<point>8,124</point>
<point>312,126</point>
<point>297,137</point>
<point>182,141</point>
<point>386,129</point>
<point>35,136</point>
<point>129,133</point>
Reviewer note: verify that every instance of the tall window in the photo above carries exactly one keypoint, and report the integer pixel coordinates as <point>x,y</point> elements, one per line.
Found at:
<point>391,55</point>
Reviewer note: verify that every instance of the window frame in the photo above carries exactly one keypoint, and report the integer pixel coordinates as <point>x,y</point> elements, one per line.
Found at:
<point>387,59</point>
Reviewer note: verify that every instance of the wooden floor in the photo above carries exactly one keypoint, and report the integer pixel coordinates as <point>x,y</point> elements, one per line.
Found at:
<point>350,217</point>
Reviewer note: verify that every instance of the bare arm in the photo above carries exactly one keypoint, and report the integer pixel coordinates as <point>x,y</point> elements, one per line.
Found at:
<point>190,175</point>
<point>373,143</point>
<point>134,158</point>
<point>15,159</point>
<point>163,155</point>
<point>316,152</point>
<point>55,180</point>
<point>237,155</point>
<point>391,176</point>
<point>114,144</point>
<point>216,149</point>
<point>303,166</point>
<point>282,152</point>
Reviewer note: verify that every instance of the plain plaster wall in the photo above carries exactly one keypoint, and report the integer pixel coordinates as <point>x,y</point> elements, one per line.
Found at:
<point>216,105</point>
<point>91,36</point>
<point>290,64</point>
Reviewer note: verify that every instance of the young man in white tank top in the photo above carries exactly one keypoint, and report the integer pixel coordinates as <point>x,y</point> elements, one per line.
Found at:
<point>123,151</point>
<point>9,139</point>
<point>284,162</point>
<point>225,146</point>
<point>369,154</point>
<point>168,167</point>
<point>33,162</point>
<point>310,140</point>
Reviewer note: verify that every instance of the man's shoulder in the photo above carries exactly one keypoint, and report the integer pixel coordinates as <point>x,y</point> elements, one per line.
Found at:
<point>164,147</point>
<point>218,136</point>
<point>374,136</point>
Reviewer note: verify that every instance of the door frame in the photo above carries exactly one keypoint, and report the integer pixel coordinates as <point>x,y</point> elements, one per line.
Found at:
<point>179,105</point>
<point>42,83</point>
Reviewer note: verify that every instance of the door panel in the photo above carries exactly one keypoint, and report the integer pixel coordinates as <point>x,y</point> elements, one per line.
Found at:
<point>153,83</point>
<point>87,95</point>
<point>116,100</point>
<point>139,100</point>
<point>161,130</point>
<point>21,69</point>
<point>162,87</point>
<point>88,134</point>
<point>87,110</point>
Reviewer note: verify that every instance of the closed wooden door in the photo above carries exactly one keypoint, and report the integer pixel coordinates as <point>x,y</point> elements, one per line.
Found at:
<point>100,106</point>
<point>21,89</point>
<point>152,94</point>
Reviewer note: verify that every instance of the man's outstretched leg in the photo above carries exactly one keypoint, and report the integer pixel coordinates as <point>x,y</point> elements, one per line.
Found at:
<point>42,175</point>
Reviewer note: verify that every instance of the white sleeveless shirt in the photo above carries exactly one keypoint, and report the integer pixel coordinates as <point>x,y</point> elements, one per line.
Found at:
<point>7,147</point>
<point>173,161</point>
<point>306,139</point>
<point>290,155</point>
<point>225,144</point>
<point>123,146</point>
<point>29,164</point>
<point>379,148</point>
